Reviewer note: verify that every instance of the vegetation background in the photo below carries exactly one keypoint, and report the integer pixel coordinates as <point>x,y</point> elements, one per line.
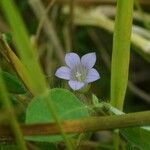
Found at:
<point>36,35</point>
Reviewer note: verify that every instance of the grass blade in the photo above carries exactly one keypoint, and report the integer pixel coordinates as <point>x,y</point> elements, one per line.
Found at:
<point>121,52</point>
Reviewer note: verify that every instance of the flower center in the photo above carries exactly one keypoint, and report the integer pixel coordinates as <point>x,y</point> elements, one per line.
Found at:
<point>78,76</point>
<point>79,73</point>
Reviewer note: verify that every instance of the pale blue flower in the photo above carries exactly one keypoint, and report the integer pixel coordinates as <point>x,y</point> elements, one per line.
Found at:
<point>78,72</point>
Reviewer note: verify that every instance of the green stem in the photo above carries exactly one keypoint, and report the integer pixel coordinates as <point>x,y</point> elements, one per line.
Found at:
<point>91,124</point>
<point>12,119</point>
<point>116,139</point>
<point>121,56</point>
<point>121,52</point>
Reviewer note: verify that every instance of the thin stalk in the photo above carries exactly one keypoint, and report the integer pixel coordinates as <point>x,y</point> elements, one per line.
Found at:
<point>116,139</point>
<point>12,119</point>
<point>58,122</point>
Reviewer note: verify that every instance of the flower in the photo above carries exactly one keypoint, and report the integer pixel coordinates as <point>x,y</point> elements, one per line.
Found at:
<point>78,72</point>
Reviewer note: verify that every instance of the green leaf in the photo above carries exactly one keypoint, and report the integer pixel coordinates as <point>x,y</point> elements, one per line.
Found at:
<point>67,106</point>
<point>47,146</point>
<point>12,83</point>
<point>137,137</point>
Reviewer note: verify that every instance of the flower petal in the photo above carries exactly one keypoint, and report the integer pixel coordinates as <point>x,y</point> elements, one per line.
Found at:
<point>75,85</point>
<point>88,60</point>
<point>63,73</point>
<point>72,59</point>
<point>92,75</point>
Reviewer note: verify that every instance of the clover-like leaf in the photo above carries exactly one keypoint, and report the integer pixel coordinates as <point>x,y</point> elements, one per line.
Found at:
<point>66,104</point>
